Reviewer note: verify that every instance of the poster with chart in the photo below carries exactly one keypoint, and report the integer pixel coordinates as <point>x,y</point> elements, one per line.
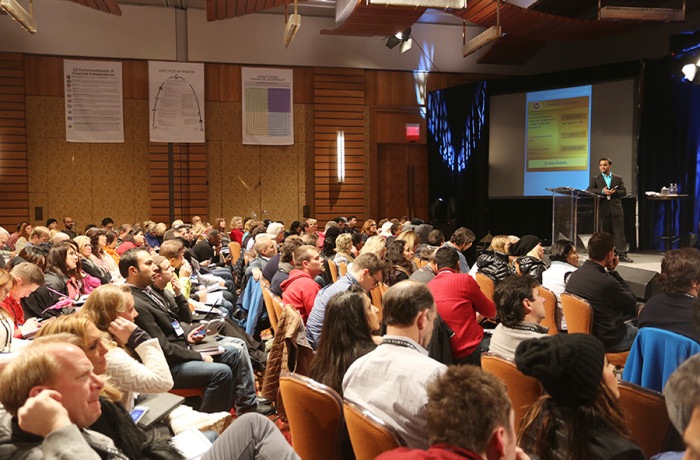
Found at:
<point>176,101</point>
<point>267,106</point>
<point>93,101</point>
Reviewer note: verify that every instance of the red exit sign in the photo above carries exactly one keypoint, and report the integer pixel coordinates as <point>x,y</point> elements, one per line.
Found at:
<point>412,132</point>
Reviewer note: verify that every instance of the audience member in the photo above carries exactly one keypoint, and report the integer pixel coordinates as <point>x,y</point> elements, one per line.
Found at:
<point>343,250</point>
<point>366,271</point>
<point>300,289</point>
<point>208,250</point>
<point>91,268</point>
<point>132,239</point>
<point>286,263</point>
<point>352,223</point>
<point>494,261</point>
<point>391,380</point>
<point>564,262</point>
<point>68,224</point>
<point>398,262</point>
<point>469,416</point>
<point>52,224</point>
<point>225,376</point>
<point>578,418</point>
<point>682,394</point>
<point>265,249</point>
<point>107,223</point>
<point>347,334</point>
<point>28,277</point>
<point>23,234</point>
<point>374,245</point>
<point>237,230</point>
<point>680,282</point>
<point>428,271</point>
<point>369,228</point>
<point>461,240</point>
<point>609,295</point>
<point>519,308</point>
<point>529,253</point>
<point>458,299</point>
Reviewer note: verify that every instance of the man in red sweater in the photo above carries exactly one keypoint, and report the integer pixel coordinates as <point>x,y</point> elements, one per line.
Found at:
<point>458,299</point>
<point>300,289</point>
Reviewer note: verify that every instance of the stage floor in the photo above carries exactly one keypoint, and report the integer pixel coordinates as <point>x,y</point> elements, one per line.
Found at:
<point>645,260</point>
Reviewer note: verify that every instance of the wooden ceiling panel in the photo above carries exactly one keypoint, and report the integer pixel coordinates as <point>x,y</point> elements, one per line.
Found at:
<point>106,6</point>
<point>369,20</point>
<point>511,50</point>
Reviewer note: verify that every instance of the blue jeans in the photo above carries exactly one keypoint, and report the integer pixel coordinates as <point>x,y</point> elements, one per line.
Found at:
<point>626,343</point>
<point>229,376</point>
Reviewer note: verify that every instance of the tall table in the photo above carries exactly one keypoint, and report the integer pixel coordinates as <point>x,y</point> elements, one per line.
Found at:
<point>573,210</point>
<point>668,201</point>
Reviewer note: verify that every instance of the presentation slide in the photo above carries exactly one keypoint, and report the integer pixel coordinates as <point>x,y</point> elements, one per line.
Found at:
<point>554,138</point>
<point>557,137</point>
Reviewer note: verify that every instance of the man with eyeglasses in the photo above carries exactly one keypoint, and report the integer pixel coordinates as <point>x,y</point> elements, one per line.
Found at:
<point>367,271</point>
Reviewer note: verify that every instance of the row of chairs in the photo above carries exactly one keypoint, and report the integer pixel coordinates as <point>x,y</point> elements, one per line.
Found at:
<point>644,409</point>
<point>317,415</point>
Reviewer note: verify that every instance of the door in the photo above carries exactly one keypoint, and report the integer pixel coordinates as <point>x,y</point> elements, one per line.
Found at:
<point>402,181</point>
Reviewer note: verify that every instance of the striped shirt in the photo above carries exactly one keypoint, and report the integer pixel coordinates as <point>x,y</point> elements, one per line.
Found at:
<point>315,322</point>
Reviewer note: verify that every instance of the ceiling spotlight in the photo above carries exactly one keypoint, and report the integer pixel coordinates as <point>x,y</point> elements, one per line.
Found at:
<point>689,71</point>
<point>400,38</point>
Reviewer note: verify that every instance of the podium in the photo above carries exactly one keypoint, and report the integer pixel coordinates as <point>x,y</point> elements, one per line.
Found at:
<point>574,213</point>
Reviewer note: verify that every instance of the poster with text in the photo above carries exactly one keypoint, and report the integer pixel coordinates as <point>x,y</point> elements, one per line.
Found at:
<point>93,100</point>
<point>176,101</point>
<point>267,106</point>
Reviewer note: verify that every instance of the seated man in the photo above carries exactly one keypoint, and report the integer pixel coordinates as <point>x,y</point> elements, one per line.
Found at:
<point>486,428</point>
<point>519,308</point>
<point>300,289</point>
<point>610,297</point>
<point>458,299</point>
<point>225,376</point>
<point>390,381</point>
<point>461,240</point>
<point>51,396</point>
<point>367,271</point>
<point>39,235</point>
<point>265,248</point>
<point>428,271</point>
<point>208,251</point>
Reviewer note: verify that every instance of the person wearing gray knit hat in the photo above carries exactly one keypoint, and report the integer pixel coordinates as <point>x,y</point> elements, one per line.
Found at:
<point>578,418</point>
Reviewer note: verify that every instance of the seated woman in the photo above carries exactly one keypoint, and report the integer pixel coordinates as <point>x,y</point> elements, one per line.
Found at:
<point>150,236</point>
<point>98,256</point>
<point>494,262</point>
<point>133,239</point>
<point>237,230</point>
<point>91,268</point>
<point>7,328</point>
<point>22,236</point>
<point>680,283</point>
<point>398,261</point>
<point>65,283</point>
<point>111,247</point>
<point>346,335</point>
<point>564,262</point>
<point>412,241</point>
<point>343,250</point>
<point>578,418</point>
<point>369,229</point>
<point>529,253</point>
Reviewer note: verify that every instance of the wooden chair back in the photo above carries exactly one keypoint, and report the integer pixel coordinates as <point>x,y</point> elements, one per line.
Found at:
<point>420,263</point>
<point>343,269</point>
<point>646,416</point>
<point>277,304</point>
<point>523,391</point>
<point>579,319</point>
<point>376,296</point>
<point>315,414</point>
<point>235,248</point>
<point>270,307</point>
<point>486,284</point>
<point>369,435</point>
<point>551,318</point>
<point>333,268</point>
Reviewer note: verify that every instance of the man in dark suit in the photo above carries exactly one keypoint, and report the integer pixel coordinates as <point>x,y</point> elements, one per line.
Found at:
<point>610,211</point>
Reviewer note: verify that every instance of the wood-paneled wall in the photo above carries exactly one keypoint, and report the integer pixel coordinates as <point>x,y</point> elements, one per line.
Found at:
<point>188,189</point>
<point>14,185</point>
<point>339,104</point>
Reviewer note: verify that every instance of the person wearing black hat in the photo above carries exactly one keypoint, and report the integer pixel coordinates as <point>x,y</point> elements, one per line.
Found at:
<point>529,253</point>
<point>578,418</point>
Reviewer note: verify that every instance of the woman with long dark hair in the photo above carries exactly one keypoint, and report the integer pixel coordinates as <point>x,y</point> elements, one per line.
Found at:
<point>346,335</point>
<point>578,418</point>
<point>65,283</point>
<point>399,262</point>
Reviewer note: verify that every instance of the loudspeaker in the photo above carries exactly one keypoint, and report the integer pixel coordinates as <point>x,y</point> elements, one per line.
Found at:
<point>644,283</point>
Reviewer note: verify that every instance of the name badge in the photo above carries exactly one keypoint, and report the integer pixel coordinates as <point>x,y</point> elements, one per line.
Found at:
<point>177,328</point>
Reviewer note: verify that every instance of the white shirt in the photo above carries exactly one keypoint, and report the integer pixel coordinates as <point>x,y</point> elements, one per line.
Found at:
<point>390,382</point>
<point>554,279</point>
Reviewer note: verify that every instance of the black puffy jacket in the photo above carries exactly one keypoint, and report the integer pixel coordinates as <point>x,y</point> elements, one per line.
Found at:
<point>531,266</point>
<point>494,264</point>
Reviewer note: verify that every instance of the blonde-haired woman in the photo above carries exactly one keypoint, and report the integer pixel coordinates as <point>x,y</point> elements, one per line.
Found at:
<point>376,245</point>
<point>237,230</point>
<point>343,250</point>
<point>494,262</point>
<point>7,327</point>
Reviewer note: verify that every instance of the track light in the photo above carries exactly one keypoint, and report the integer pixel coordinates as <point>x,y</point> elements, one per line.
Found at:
<point>689,71</point>
<point>405,46</point>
